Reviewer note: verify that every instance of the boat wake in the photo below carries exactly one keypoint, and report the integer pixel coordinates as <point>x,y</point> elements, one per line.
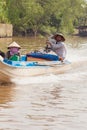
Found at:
<point>76,71</point>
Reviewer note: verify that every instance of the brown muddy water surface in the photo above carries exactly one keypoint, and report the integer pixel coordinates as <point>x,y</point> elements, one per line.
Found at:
<point>47,102</point>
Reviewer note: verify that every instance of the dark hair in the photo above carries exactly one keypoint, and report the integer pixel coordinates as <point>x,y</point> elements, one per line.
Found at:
<point>2,54</point>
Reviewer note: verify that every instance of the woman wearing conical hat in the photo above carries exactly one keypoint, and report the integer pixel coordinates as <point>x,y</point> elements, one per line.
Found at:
<point>13,53</point>
<point>56,43</point>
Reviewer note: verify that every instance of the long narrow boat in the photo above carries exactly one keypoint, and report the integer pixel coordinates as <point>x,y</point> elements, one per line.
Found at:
<point>32,66</point>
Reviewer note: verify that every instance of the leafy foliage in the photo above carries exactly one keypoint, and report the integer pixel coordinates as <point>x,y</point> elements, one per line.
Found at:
<point>3,12</point>
<point>42,16</point>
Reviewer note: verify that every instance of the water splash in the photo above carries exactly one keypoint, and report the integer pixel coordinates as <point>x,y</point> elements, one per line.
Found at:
<point>78,71</point>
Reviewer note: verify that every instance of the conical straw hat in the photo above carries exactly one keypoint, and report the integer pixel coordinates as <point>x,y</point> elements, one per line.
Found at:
<point>59,34</point>
<point>14,44</point>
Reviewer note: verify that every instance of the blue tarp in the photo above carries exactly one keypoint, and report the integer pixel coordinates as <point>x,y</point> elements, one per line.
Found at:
<point>43,56</point>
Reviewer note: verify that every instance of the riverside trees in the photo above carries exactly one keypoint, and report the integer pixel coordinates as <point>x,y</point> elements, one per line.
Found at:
<point>32,17</point>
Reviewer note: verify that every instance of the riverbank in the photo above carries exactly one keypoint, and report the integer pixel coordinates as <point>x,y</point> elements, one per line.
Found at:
<point>6,30</point>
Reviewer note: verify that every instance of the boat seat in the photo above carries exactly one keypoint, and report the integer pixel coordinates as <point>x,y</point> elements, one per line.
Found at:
<point>23,58</point>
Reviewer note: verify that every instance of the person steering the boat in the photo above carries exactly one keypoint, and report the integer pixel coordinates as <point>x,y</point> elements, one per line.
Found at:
<point>14,52</point>
<point>56,44</point>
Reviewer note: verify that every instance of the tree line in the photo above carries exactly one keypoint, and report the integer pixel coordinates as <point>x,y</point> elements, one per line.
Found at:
<point>33,17</point>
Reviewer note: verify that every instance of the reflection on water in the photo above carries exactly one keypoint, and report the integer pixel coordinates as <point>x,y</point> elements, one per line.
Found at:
<point>49,102</point>
<point>30,44</point>
<point>6,92</point>
<point>46,107</point>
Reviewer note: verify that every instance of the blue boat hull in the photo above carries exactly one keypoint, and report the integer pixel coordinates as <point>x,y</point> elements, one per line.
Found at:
<point>33,60</point>
<point>10,70</point>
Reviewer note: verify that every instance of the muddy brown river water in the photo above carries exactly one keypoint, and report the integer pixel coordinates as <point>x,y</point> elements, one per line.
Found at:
<point>47,102</point>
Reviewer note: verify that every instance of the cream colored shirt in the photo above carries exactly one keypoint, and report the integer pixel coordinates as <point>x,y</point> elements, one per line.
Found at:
<point>59,48</point>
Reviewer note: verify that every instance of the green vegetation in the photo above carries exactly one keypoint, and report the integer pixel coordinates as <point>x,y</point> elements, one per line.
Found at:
<point>3,12</point>
<point>33,17</point>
